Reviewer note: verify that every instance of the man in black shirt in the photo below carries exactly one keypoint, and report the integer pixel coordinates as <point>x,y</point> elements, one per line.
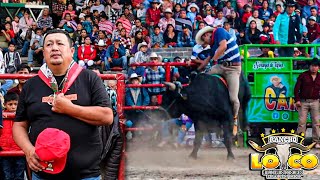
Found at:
<point>68,98</point>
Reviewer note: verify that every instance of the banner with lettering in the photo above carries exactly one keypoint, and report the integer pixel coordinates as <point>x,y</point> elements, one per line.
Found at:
<point>272,99</point>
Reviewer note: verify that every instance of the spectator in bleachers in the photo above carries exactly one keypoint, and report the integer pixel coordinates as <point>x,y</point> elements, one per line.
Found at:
<point>97,6</point>
<point>86,54</point>
<point>231,31</point>
<point>25,23</point>
<point>166,4</point>
<point>77,34</point>
<point>15,25</point>
<point>94,33</point>
<point>106,25</point>
<point>45,22</point>
<point>116,32</point>
<point>265,11</point>
<point>82,37</point>
<point>11,59</point>
<point>218,22</point>
<point>140,57</point>
<point>87,24</point>
<point>125,41</point>
<point>257,4</point>
<point>79,4</point>
<point>185,38</point>
<point>101,53</point>
<point>115,55</point>
<point>182,3</point>
<point>241,38</point>
<point>306,11</point>
<point>141,14</point>
<point>193,9</point>
<point>197,21</point>
<point>286,29</point>
<point>304,38</point>
<point>183,20</point>
<point>157,40</point>
<point>154,75</point>
<point>8,33</point>
<point>136,27</point>
<point>167,19</point>
<point>129,15</point>
<point>303,20</point>
<point>227,10</point>
<point>255,17</point>
<point>253,34</point>
<point>96,16</point>
<point>153,15</point>
<point>266,34</point>
<point>235,22</point>
<point>21,69</point>
<point>278,10</point>
<point>247,14</point>
<point>68,24</point>
<point>70,11</point>
<point>138,38</point>
<point>170,36</point>
<point>36,47</point>
<point>209,19</point>
<point>313,29</point>
<point>12,167</point>
<point>314,12</point>
<point>176,10</point>
<point>200,26</point>
<point>58,8</point>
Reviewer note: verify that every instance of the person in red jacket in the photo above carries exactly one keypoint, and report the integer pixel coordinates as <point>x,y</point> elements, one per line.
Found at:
<point>86,53</point>
<point>247,8</point>
<point>153,15</point>
<point>313,29</point>
<point>12,167</point>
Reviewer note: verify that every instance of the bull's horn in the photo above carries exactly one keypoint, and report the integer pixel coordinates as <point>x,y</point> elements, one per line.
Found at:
<point>259,148</point>
<point>171,86</point>
<point>302,147</point>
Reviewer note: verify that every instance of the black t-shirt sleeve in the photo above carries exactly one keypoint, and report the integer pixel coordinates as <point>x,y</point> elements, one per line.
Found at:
<point>21,113</point>
<point>99,94</point>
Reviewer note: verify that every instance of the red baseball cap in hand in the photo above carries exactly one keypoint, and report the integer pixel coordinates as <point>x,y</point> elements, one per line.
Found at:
<point>52,147</point>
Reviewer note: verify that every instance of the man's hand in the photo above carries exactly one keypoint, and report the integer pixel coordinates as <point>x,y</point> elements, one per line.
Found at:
<point>60,103</point>
<point>151,23</point>
<point>277,42</point>
<point>3,31</point>
<point>298,104</point>
<point>109,59</point>
<point>33,160</point>
<point>98,62</point>
<point>44,29</point>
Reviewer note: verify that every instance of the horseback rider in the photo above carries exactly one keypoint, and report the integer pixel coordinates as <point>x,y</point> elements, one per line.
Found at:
<point>226,56</point>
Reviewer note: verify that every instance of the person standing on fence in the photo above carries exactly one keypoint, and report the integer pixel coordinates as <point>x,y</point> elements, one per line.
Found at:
<point>306,93</point>
<point>286,29</point>
<point>224,51</point>
<point>67,97</point>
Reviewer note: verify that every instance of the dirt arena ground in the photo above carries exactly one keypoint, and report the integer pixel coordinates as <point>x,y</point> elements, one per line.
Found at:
<point>156,164</point>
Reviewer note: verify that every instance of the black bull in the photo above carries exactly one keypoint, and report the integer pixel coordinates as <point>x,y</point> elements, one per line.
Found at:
<point>206,101</point>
